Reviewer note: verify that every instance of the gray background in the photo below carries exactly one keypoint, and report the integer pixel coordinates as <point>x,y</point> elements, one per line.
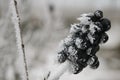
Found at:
<point>43,28</point>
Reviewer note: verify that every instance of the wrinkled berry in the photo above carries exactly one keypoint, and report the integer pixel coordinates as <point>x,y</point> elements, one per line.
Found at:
<point>82,43</point>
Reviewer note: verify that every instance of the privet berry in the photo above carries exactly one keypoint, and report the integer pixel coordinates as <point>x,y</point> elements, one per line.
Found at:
<point>104,38</point>
<point>76,68</point>
<point>98,14</point>
<point>62,57</point>
<point>100,26</point>
<point>106,24</point>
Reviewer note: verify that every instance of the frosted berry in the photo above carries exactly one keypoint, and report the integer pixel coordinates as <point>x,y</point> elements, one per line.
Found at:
<point>100,26</point>
<point>85,44</point>
<point>82,58</point>
<point>98,14</point>
<point>93,50</point>
<point>62,57</point>
<point>93,62</point>
<point>104,38</point>
<point>77,68</point>
<point>106,24</point>
<point>73,58</point>
<point>96,39</point>
<point>96,65</point>
<point>78,34</point>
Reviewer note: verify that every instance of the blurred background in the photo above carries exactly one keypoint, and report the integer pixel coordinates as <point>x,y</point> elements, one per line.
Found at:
<point>44,23</point>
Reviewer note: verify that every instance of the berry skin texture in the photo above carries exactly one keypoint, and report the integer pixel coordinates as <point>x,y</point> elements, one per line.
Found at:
<point>77,68</point>
<point>93,50</point>
<point>62,57</point>
<point>106,24</point>
<point>84,44</point>
<point>98,14</point>
<point>104,38</point>
<point>100,26</point>
<point>94,63</point>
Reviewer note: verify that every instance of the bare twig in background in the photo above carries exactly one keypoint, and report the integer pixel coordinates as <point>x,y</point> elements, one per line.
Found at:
<point>19,40</point>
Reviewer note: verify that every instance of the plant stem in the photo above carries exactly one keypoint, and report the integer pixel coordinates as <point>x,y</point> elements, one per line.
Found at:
<point>19,40</point>
<point>59,71</point>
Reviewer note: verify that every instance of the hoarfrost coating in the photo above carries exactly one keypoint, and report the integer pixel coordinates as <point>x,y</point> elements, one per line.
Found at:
<point>82,43</point>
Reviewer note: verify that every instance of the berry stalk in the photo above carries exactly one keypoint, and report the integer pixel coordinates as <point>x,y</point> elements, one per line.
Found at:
<point>59,71</point>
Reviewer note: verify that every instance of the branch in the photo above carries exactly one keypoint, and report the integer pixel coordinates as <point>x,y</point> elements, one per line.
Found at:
<point>19,41</point>
<point>57,72</point>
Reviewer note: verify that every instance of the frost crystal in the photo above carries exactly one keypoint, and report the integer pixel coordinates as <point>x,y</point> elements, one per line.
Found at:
<point>85,19</point>
<point>78,42</point>
<point>75,28</point>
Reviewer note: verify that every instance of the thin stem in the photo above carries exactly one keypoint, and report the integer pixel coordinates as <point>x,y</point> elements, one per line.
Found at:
<point>57,72</point>
<point>19,40</point>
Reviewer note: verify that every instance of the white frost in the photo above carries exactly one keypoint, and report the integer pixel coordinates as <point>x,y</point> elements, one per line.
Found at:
<point>78,42</point>
<point>92,31</point>
<point>69,40</point>
<point>57,72</point>
<point>74,28</point>
<point>93,27</point>
<point>84,19</point>
<point>16,23</point>
<point>91,38</point>
<point>72,50</point>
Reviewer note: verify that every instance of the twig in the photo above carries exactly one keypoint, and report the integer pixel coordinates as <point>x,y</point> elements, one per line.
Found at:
<point>19,40</point>
<point>56,73</point>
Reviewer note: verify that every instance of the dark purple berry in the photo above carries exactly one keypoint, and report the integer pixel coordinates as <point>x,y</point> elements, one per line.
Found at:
<point>93,50</point>
<point>100,26</point>
<point>73,58</point>
<point>87,27</point>
<point>78,34</point>
<point>85,43</point>
<point>106,24</point>
<point>96,65</point>
<point>77,68</point>
<point>62,57</point>
<point>98,14</point>
<point>80,54</point>
<point>96,39</point>
<point>104,38</point>
<point>93,61</point>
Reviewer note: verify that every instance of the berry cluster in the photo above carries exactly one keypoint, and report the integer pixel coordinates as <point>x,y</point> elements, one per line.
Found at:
<point>82,43</point>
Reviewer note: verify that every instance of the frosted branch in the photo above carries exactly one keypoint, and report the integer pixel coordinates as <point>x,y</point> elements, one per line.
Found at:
<point>16,21</point>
